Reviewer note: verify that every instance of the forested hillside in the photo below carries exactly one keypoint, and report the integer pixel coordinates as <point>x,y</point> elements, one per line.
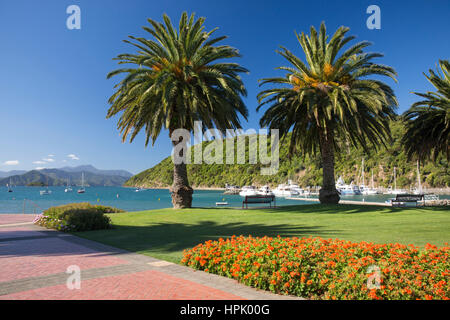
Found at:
<point>306,171</point>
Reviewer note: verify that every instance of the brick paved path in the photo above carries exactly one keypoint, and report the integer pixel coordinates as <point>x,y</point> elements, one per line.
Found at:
<point>33,263</point>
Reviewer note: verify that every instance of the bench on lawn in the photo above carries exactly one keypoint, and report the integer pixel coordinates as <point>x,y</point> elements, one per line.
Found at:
<point>402,198</point>
<point>259,199</point>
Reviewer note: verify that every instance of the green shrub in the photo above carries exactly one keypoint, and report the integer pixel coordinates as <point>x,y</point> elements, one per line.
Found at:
<point>76,217</point>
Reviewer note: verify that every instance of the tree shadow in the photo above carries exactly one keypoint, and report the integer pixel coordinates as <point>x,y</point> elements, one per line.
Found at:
<point>173,237</point>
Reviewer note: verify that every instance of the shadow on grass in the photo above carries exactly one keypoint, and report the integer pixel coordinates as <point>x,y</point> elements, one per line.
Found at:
<point>173,237</point>
<point>347,209</point>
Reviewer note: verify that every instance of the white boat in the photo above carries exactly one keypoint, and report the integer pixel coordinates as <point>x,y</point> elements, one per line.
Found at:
<point>395,190</point>
<point>296,187</point>
<point>68,188</point>
<point>248,191</point>
<point>347,189</point>
<point>9,186</point>
<point>139,189</point>
<point>46,191</point>
<point>230,189</point>
<point>264,191</point>
<point>285,190</point>
<point>82,190</point>
<point>365,190</point>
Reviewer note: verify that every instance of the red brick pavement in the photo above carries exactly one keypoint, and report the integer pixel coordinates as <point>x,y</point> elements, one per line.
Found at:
<point>26,253</point>
<point>44,256</point>
<point>145,285</point>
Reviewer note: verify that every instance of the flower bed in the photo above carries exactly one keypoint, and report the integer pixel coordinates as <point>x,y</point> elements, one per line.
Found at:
<point>76,217</point>
<point>316,268</point>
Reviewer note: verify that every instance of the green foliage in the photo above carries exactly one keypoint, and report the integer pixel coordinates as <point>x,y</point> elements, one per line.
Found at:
<point>76,217</point>
<point>307,170</point>
<point>428,120</point>
<point>330,99</point>
<point>177,77</point>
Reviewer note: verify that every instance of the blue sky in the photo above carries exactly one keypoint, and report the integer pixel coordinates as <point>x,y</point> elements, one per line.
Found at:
<point>53,83</point>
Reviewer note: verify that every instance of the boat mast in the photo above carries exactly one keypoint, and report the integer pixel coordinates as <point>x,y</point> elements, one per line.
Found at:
<point>362,172</point>
<point>372,180</point>
<point>395,180</point>
<point>418,178</point>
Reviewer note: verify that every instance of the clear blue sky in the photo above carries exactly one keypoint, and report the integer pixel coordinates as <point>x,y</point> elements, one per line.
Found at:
<point>53,87</point>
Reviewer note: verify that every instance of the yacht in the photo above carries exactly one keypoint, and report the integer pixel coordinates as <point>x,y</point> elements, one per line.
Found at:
<point>347,189</point>
<point>296,187</point>
<point>248,191</point>
<point>395,190</point>
<point>264,191</point>
<point>139,189</point>
<point>82,190</point>
<point>230,189</point>
<point>365,190</point>
<point>285,190</point>
<point>68,188</point>
<point>46,191</point>
<point>9,186</point>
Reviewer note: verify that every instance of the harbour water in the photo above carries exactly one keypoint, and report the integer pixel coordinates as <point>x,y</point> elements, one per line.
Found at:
<point>29,200</point>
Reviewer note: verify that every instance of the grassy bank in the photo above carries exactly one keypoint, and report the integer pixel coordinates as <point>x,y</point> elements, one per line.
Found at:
<point>165,233</point>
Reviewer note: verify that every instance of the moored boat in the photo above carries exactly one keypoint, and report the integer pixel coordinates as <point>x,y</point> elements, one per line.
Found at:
<point>248,191</point>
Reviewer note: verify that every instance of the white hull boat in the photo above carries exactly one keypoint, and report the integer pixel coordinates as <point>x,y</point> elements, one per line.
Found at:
<point>264,191</point>
<point>248,191</point>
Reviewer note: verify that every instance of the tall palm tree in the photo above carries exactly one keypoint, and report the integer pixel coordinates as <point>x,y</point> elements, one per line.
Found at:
<point>329,100</point>
<point>175,79</point>
<point>428,121</point>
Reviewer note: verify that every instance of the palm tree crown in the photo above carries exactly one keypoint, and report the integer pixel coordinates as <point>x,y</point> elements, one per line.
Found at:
<point>178,78</point>
<point>330,98</point>
<point>428,120</point>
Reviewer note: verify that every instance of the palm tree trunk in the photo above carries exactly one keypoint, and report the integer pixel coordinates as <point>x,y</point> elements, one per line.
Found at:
<point>328,193</point>
<point>181,191</point>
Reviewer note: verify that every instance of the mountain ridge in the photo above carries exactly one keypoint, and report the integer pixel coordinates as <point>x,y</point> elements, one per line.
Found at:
<point>59,177</point>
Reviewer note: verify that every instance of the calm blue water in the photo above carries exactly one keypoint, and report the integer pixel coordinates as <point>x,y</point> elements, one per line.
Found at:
<point>128,199</point>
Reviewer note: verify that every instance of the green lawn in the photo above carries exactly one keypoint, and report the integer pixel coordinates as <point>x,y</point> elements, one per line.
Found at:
<point>165,233</point>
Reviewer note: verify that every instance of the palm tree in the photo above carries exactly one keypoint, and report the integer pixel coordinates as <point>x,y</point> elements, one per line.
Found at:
<point>175,79</point>
<point>428,120</point>
<point>329,100</point>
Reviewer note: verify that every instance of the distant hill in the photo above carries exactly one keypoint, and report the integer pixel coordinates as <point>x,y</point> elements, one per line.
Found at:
<point>307,171</point>
<point>59,177</point>
<point>90,168</point>
<point>4,174</point>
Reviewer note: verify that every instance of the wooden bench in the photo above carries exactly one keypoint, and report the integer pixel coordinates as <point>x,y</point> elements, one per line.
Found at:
<point>259,199</point>
<point>402,198</point>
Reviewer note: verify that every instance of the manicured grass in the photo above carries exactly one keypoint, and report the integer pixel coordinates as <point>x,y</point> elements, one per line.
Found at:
<point>165,233</point>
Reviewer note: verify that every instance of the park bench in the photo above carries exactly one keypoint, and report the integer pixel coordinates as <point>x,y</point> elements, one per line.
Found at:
<point>259,199</point>
<point>402,199</point>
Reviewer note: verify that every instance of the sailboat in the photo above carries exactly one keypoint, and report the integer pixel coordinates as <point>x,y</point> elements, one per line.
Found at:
<point>82,190</point>
<point>395,190</point>
<point>9,186</point>
<point>364,189</point>
<point>46,191</point>
<point>68,188</point>
<point>418,190</point>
